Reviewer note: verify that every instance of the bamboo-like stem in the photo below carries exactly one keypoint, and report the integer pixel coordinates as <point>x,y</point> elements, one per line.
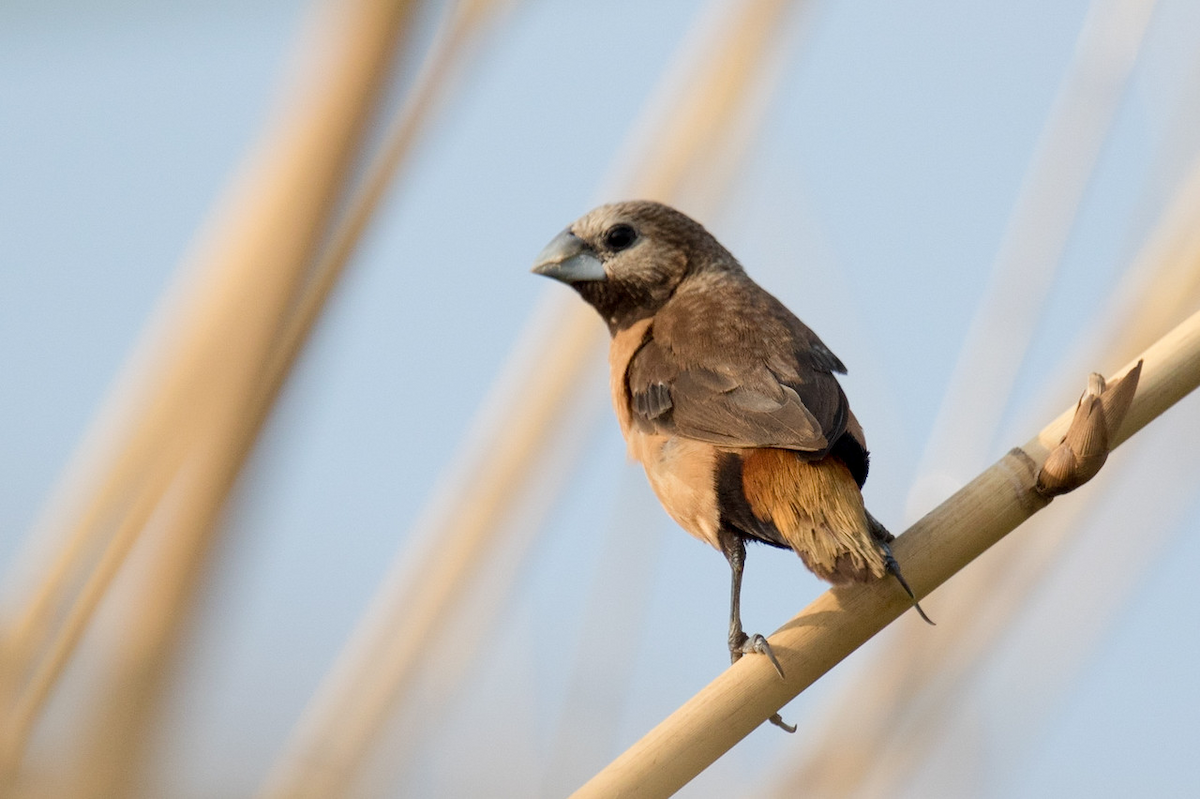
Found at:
<point>842,619</point>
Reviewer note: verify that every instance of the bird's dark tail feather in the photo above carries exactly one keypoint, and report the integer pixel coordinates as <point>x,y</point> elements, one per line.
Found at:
<point>883,538</point>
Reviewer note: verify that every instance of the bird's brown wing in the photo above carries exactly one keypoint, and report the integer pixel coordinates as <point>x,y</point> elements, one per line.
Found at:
<point>717,372</point>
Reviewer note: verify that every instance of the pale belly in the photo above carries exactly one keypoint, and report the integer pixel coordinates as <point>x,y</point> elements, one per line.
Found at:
<point>682,473</point>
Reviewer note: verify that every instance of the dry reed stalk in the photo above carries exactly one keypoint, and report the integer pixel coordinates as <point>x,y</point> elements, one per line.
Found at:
<point>839,621</point>
<point>200,366</point>
<point>379,663</point>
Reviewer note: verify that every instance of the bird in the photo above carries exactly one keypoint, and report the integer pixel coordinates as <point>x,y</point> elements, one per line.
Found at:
<point>727,399</point>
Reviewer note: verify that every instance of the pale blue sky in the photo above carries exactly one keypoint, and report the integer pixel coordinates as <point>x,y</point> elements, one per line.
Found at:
<point>872,204</point>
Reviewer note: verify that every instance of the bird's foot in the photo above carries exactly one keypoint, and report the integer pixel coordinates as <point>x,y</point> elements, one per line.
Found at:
<point>742,644</point>
<point>893,568</point>
<point>778,721</point>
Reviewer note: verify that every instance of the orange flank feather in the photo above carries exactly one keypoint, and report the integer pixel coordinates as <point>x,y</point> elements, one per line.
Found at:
<point>817,508</point>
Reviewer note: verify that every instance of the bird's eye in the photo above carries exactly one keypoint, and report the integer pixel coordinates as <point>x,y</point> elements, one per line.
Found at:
<point>619,237</point>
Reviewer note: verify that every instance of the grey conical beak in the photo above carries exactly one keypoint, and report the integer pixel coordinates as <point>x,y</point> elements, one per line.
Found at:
<point>569,259</point>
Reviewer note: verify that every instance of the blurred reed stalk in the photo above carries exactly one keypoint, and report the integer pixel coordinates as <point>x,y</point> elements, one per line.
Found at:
<point>188,407</point>
<point>451,542</point>
<point>842,619</point>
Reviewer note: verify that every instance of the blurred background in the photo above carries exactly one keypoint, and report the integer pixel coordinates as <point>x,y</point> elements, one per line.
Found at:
<point>974,205</point>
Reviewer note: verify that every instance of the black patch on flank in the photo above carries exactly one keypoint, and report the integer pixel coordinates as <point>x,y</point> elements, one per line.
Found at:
<point>734,509</point>
<point>851,453</point>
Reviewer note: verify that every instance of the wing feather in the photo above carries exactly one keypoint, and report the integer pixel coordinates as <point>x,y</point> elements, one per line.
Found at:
<point>737,369</point>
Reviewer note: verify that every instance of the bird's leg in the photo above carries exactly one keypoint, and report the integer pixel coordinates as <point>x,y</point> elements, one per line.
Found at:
<point>740,643</point>
<point>883,538</point>
<point>889,561</point>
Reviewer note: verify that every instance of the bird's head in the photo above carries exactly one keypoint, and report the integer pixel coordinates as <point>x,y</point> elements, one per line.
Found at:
<point>628,259</point>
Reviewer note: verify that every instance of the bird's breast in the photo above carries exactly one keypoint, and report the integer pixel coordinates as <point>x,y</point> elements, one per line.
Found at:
<point>682,473</point>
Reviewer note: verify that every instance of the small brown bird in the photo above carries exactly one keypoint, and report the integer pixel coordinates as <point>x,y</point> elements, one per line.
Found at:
<point>725,397</point>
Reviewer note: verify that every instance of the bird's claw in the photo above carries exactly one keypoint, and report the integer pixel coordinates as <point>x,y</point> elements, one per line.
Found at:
<point>757,644</point>
<point>778,721</point>
<point>742,644</point>
<point>889,562</point>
